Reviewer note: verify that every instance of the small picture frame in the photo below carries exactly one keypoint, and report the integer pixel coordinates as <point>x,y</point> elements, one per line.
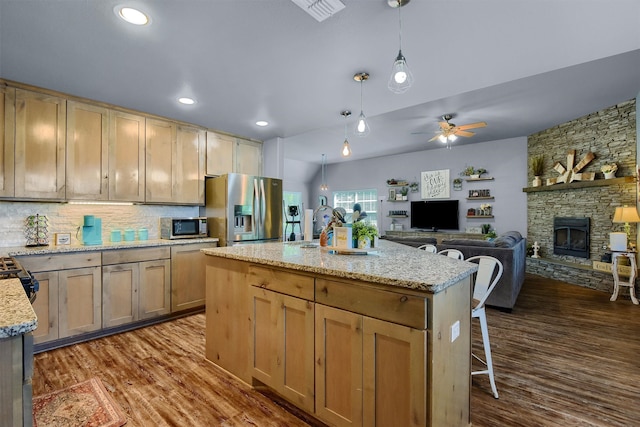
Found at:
<point>63,239</point>
<point>392,194</point>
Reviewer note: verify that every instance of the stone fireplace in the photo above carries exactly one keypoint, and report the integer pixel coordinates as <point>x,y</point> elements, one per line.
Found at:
<point>571,236</point>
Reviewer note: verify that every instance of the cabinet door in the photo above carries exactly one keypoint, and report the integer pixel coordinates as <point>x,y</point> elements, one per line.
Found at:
<point>120,284</point>
<point>87,151</point>
<point>282,345</point>
<point>39,146</point>
<point>7,126</point>
<point>394,374</point>
<point>248,157</point>
<point>189,171</point>
<point>80,303</point>
<point>219,153</point>
<point>46,307</point>
<point>161,160</point>
<point>155,288</point>
<point>338,373</point>
<point>188,276</point>
<point>126,157</point>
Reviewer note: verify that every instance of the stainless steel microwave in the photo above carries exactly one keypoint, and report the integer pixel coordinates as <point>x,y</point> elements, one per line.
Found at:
<point>183,228</point>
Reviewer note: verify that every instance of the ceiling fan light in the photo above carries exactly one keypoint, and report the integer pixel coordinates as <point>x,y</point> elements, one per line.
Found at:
<point>362,126</point>
<point>346,150</point>
<point>401,77</point>
<point>452,137</point>
<point>442,139</point>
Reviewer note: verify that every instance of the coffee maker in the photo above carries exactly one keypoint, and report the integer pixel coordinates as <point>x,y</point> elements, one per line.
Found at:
<point>92,230</point>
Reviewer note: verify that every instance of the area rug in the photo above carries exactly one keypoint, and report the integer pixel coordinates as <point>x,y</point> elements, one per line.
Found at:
<point>86,404</point>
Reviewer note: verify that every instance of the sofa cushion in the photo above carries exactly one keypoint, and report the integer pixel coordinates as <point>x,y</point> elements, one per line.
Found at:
<point>508,239</point>
<point>469,242</point>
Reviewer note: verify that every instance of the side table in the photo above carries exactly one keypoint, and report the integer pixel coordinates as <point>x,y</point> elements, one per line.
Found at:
<point>631,255</point>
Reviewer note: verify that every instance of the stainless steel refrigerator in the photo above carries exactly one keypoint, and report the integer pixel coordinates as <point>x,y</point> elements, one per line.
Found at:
<point>243,208</point>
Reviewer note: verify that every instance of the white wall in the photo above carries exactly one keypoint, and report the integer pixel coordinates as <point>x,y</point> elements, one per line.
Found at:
<point>297,177</point>
<point>506,161</point>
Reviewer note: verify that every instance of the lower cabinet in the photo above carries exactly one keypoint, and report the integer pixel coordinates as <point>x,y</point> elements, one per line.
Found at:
<point>188,276</point>
<point>282,345</point>
<point>69,300</point>
<point>138,289</point>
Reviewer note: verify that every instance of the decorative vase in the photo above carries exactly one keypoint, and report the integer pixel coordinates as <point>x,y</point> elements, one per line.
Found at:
<point>537,181</point>
<point>364,243</point>
<point>609,175</point>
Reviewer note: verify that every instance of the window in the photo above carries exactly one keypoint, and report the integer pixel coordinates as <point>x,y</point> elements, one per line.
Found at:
<point>291,198</point>
<point>368,200</point>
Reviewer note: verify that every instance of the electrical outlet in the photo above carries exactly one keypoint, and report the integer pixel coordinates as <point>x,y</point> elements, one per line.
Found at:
<point>455,330</point>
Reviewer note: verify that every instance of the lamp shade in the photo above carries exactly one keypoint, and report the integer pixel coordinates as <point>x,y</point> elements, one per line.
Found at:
<point>626,214</point>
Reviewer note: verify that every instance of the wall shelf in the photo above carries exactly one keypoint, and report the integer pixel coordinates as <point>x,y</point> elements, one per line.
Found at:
<point>481,198</point>
<point>397,216</point>
<point>479,216</point>
<point>582,184</point>
<point>489,178</point>
<point>394,201</point>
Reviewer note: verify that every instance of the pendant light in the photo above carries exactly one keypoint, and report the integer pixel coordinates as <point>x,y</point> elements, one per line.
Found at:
<point>346,150</point>
<point>362,127</point>
<point>323,185</point>
<point>401,78</point>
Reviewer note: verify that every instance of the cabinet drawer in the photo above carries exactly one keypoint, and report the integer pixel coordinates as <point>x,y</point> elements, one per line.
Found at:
<point>396,307</point>
<point>296,285</point>
<point>135,255</point>
<point>36,263</point>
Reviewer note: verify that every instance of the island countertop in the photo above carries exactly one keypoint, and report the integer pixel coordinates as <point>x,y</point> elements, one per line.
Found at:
<point>389,263</point>
<point>16,313</point>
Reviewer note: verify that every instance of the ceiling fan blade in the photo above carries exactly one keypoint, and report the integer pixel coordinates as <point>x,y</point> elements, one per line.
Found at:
<point>434,138</point>
<point>473,126</point>
<point>463,133</point>
<point>444,125</point>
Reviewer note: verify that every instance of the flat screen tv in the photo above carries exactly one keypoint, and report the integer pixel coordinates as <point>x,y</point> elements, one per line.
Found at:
<point>434,215</point>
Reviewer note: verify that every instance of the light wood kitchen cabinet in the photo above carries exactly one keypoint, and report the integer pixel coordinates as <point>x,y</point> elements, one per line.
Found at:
<point>87,152</point>
<point>16,373</point>
<point>220,150</point>
<point>70,298</point>
<point>282,345</point>
<point>248,157</point>
<point>188,289</point>
<point>136,285</point>
<point>126,157</point>
<point>189,171</point>
<point>40,122</point>
<point>160,166</point>
<point>7,126</point>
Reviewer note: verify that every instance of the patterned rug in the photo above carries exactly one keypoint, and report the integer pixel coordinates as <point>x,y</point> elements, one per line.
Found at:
<point>86,404</point>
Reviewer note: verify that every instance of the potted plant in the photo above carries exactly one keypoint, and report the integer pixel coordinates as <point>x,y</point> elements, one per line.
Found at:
<point>537,166</point>
<point>469,171</point>
<point>481,171</point>
<point>405,193</point>
<point>457,184</point>
<point>414,187</point>
<point>364,234</point>
<point>609,170</point>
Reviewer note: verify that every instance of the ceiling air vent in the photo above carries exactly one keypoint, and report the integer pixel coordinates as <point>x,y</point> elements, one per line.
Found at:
<point>320,9</point>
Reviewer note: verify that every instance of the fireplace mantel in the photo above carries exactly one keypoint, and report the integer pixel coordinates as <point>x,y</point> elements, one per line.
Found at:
<point>582,184</point>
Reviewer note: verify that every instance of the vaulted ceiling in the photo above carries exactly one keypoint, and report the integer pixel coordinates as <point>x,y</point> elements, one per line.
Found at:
<point>519,65</point>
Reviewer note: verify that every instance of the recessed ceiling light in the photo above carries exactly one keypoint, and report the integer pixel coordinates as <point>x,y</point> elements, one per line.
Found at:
<point>262,123</point>
<point>186,101</point>
<point>132,16</point>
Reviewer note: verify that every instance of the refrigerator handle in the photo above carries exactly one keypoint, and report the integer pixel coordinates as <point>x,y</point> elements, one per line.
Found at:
<point>263,204</point>
<point>256,207</point>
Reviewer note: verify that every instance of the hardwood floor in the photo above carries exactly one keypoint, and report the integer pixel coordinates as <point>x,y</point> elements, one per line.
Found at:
<point>565,356</point>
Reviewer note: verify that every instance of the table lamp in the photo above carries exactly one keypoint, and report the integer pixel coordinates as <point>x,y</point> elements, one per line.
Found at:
<point>626,215</point>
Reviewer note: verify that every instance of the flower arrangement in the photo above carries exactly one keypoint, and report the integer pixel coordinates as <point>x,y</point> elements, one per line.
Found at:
<point>609,168</point>
<point>470,170</point>
<point>537,165</point>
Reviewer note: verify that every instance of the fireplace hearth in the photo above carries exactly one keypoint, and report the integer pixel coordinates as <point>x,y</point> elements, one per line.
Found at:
<point>571,236</point>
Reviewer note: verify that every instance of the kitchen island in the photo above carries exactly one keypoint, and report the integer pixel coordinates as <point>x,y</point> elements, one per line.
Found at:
<point>17,321</point>
<point>379,339</point>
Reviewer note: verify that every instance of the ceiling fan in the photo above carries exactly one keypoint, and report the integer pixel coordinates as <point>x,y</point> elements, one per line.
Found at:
<point>449,132</point>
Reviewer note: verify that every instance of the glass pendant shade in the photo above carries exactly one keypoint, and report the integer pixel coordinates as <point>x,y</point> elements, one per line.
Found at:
<point>401,77</point>
<point>362,126</point>
<point>346,150</point>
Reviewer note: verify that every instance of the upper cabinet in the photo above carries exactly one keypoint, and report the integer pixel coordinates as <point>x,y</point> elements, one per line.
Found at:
<point>40,122</point>
<point>160,153</point>
<point>126,157</point>
<point>189,170</point>
<point>248,157</point>
<point>219,153</point>
<point>87,152</point>
<point>7,125</point>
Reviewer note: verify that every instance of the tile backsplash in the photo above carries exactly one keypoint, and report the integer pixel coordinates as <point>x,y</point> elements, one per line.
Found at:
<point>66,218</point>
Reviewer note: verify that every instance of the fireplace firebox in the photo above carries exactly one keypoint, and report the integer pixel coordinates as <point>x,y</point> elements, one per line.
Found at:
<point>571,236</point>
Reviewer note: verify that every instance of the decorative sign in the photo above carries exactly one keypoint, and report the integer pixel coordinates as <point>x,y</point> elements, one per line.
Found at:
<point>435,184</point>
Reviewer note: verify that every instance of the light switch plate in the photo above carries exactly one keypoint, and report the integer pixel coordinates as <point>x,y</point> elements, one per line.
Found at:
<point>455,330</point>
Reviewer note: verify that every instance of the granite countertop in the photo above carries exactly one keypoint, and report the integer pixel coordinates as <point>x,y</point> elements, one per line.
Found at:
<point>389,263</point>
<point>53,249</point>
<point>16,313</point>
